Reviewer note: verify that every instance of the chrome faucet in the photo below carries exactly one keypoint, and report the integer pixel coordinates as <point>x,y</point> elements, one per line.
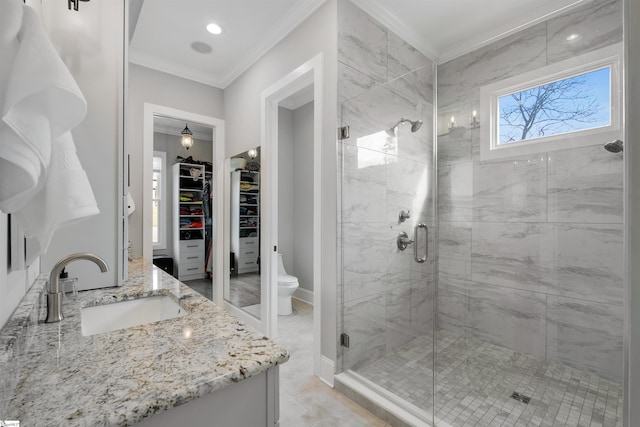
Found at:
<point>54,295</point>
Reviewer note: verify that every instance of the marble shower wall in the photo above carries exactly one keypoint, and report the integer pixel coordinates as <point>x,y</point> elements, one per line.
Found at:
<point>530,248</point>
<point>387,298</point>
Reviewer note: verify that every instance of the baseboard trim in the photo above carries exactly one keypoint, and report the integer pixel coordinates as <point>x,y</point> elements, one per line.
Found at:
<point>304,295</point>
<point>327,370</point>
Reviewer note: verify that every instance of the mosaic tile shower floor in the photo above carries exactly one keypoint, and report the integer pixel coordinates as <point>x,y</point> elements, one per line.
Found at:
<point>475,381</point>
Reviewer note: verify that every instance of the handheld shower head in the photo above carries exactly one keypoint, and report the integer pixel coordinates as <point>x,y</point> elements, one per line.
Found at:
<point>416,125</point>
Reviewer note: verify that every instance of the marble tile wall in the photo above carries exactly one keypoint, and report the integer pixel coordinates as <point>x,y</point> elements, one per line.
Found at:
<point>530,248</point>
<point>386,298</point>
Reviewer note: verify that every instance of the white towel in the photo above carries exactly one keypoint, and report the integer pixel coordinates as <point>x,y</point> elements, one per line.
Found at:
<point>41,180</point>
<point>65,198</point>
<point>39,101</point>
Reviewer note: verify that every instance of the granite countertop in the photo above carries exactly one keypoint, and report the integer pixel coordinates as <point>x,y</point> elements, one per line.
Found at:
<point>121,377</point>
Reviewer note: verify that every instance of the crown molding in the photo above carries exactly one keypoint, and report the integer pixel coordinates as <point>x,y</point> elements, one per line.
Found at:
<point>398,26</point>
<point>174,69</point>
<point>297,15</point>
<point>486,38</point>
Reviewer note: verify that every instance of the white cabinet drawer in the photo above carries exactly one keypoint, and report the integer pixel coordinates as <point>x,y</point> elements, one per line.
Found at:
<point>247,263</point>
<point>191,246</point>
<point>191,257</point>
<point>188,269</point>
<point>248,242</point>
<point>250,253</point>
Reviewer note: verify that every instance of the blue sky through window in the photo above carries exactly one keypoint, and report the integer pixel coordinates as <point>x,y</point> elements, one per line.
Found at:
<point>577,103</point>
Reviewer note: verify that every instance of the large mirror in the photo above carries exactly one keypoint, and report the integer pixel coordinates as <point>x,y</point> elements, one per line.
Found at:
<point>242,285</point>
<point>181,199</point>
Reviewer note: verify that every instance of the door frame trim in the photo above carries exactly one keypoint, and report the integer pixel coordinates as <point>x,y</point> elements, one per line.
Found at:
<point>311,72</point>
<point>150,110</point>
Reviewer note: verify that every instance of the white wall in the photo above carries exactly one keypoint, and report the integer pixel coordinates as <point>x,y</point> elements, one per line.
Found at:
<point>632,228</point>
<point>286,199</point>
<point>303,195</point>
<point>91,43</point>
<point>242,116</point>
<point>155,87</point>
<point>15,285</point>
<point>201,150</point>
<point>295,192</point>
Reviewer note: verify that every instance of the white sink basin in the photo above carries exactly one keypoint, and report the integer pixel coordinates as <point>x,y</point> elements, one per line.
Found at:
<point>121,315</point>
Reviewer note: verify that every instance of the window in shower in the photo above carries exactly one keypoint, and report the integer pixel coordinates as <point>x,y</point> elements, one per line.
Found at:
<point>573,104</point>
<point>568,104</point>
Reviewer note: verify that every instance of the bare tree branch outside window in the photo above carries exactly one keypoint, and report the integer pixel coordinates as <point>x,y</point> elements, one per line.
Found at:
<point>576,103</point>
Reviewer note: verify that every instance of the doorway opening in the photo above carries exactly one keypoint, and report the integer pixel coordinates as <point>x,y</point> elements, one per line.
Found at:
<point>181,220</point>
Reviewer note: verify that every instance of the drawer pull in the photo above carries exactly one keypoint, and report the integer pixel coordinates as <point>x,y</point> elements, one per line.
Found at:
<point>192,246</point>
<point>192,257</point>
<point>249,253</point>
<point>192,269</point>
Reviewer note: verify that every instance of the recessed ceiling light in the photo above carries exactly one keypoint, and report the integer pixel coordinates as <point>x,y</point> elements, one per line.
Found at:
<point>201,47</point>
<point>573,37</point>
<point>214,29</point>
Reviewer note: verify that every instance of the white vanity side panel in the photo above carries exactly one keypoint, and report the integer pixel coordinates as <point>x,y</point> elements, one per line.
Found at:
<point>242,404</point>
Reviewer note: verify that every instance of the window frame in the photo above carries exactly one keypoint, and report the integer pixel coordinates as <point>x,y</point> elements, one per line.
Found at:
<point>162,212</point>
<point>490,147</point>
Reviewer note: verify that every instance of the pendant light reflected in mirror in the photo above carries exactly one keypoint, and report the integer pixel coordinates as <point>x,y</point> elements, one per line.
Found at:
<point>186,138</point>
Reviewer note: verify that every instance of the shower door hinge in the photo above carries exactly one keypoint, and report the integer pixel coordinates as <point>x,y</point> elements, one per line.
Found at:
<point>344,340</point>
<point>343,132</point>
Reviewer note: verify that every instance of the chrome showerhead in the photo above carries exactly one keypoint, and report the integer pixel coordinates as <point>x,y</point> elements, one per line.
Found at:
<point>415,125</point>
<point>614,146</point>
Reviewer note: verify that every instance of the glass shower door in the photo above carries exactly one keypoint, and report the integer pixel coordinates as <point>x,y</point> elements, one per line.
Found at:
<point>386,243</point>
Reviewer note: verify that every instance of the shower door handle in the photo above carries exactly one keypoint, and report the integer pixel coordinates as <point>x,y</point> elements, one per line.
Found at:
<point>418,227</point>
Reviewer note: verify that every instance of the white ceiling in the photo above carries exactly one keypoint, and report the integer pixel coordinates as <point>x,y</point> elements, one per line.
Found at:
<point>445,29</point>
<point>441,29</point>
<point>166,29</point>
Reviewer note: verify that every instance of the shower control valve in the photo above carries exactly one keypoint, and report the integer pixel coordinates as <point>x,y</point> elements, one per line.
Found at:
<point>403,241</point>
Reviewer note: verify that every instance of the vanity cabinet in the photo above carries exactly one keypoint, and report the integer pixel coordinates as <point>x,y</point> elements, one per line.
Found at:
<point>188,221</point>
<point>252,402</point>
<point>245,220</point>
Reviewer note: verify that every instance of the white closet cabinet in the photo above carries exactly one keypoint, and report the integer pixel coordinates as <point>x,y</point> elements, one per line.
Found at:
<point>245,220</point>
<point>188,221</point>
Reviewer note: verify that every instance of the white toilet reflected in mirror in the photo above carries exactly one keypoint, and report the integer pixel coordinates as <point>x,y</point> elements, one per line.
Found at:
<point>287,285</point>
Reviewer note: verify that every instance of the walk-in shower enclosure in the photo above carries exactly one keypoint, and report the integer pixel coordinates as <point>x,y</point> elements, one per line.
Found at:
<point>507,307</point>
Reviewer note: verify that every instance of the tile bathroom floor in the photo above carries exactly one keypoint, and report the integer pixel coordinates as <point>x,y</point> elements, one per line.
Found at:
<point>244,289</point>
<point>305,401</point>
<point>475,381</point>
<point>202,286</point>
